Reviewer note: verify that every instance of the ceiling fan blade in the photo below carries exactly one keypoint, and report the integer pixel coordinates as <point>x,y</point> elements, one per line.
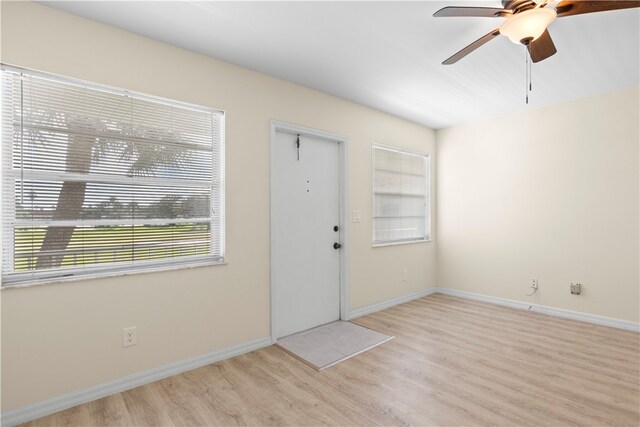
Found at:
<point>473,46</point>
<point>482,12</point>
<point>577,7</point>
<point>542,47</point>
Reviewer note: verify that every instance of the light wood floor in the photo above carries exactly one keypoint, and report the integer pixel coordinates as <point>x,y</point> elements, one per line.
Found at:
<point>453,362</point>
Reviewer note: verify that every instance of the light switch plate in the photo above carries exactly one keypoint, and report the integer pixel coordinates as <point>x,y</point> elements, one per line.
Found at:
<point>356,216</point>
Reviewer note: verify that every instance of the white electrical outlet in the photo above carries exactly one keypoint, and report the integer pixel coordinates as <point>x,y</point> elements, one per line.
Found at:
<point>129,336</point>
<point>533,283</point>
<point>405,275</point>
<point>575,288</point>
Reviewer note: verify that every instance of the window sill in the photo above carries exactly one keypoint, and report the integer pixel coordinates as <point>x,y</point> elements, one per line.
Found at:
<point>50,281</point>
<point>408,242</point>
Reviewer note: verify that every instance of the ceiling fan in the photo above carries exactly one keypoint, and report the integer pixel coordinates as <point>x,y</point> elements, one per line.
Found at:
<point>527,21</point>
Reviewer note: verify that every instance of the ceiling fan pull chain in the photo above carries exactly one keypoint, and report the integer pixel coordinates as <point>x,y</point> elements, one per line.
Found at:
<point>526,75</point>
<point>530,74</point>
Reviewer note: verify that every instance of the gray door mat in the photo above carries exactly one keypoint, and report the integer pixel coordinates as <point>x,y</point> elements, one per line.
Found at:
<point>326,345</point>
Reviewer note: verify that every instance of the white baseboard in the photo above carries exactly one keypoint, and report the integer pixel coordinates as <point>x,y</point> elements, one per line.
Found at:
<point>56,404</point>
<point>368,309</point>
<point>551,311</point>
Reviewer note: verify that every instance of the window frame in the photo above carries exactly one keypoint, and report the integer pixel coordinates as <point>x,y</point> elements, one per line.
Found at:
<point>34,277</point>
<point>427,198</point>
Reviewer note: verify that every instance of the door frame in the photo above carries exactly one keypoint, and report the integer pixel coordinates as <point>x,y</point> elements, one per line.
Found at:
<point>278,126</point>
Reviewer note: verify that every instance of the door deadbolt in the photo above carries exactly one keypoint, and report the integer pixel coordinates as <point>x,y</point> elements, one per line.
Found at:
<point>336,228</point>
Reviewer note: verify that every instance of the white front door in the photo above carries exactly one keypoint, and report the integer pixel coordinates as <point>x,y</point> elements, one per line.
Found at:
<point>306,210</point>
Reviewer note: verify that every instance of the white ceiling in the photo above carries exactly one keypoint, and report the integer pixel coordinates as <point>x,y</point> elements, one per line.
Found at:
<point>388,55</point>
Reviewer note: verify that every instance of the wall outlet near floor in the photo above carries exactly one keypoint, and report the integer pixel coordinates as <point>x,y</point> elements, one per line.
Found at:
<point>129,336</point>
<point>533,283</point>
<point>575,288</point>
<point>405,275</point>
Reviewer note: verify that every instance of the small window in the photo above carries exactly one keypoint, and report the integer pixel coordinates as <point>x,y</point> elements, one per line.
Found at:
<point>98,181</point>
<point>400,196</point>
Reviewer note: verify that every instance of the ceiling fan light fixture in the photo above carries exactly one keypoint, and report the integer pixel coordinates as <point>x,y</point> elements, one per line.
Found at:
<point>528,25</point>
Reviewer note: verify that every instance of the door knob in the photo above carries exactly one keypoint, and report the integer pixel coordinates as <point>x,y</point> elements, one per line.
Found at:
<point>337,245</point>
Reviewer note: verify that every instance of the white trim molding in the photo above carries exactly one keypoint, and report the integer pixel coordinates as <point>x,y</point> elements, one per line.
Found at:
<point>382,305</point>
<point>544,309</point>
<point>520,305</point>
<point>69,400</point>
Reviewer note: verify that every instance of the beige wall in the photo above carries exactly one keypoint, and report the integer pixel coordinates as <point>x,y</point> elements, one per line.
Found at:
<point>65,337</point>
<point>551,193</point>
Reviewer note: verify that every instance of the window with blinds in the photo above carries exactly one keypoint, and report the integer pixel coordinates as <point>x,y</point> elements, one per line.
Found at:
<point>98,180</point>
<point>400,196</point>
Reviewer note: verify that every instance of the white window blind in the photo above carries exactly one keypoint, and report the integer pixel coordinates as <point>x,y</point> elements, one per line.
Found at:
<point>98,180</point>
<point>400,196</point>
